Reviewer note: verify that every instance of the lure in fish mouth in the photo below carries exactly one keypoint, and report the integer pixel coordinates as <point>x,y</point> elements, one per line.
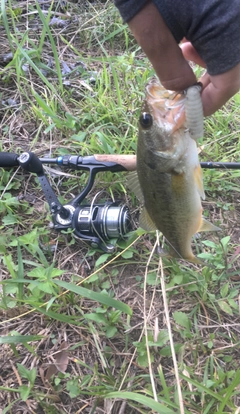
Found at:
<point>169,179</point>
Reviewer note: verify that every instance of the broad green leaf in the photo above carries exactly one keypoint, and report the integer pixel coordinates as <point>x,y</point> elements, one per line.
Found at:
<point>41,273</point>
<point>106,284</point>
<point>209,243</point>
<point>162,339</point>
<point>45,287</point>
<point>29,238</point>
<point>30,375</point>
<point>24,392</point>
<point>225,241</point>
<point>11,287</point>
<point>182,319</point>
<point>102,259</point>
<point>225,307</point>
<point>92,278</point>
<point>152,279</point>
<point>233,303</point>
<point>177,279</point>
<point>73,386</point>
<point>79,137</point>
<point>98,297</point>
<point>128,254</point>
<point>143,360</point>
<point>224,290</point>
<point>9,219</point>
<point>205,256</point>
<point>110,332</point>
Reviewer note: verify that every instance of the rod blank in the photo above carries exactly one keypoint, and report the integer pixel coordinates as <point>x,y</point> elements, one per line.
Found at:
<point>128,162</point>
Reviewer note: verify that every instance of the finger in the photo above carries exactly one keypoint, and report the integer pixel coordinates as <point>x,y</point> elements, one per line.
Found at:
<point>220,89</point>
<point>190,53</point>
<point>205,80</point>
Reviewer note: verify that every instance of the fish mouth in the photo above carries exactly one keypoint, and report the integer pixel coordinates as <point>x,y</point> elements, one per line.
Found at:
<point>167,107</point>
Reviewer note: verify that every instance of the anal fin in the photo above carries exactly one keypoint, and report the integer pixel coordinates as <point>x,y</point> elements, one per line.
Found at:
<point>207,226</point>
<point>145,221</point>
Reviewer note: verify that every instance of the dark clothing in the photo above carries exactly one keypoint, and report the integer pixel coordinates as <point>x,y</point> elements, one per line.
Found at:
<point>212,26</point>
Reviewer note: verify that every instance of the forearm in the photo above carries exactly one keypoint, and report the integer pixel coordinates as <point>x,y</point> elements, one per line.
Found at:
<point>158,43</point>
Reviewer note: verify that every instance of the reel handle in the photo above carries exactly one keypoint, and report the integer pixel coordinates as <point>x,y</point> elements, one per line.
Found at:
<point>8,159</point>
<point>31,163</point>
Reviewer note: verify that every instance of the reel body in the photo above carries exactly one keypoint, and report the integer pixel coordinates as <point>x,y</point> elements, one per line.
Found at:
<point>96,223</point>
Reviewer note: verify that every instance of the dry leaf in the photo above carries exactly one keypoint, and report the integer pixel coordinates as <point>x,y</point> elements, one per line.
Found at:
<point>61,357</point>
<point>61,361</point>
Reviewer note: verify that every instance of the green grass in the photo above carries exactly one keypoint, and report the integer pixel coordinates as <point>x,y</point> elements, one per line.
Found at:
<point>82,330</point>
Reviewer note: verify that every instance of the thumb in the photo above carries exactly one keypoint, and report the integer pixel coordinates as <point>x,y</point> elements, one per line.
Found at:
<point>190,53</point>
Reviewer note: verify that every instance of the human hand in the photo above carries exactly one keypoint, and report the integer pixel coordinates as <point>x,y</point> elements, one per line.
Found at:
<point>170,61</point>
<point>217,89</point>
<point>158,43</point>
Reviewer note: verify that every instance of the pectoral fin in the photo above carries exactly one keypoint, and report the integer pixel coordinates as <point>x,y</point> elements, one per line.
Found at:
<point>198,178</point>
<point>146,222</point>
<point>207,226</point>
<point>134,185</point>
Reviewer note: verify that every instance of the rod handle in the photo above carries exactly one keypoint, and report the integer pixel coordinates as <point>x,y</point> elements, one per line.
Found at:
<point>127,161</point>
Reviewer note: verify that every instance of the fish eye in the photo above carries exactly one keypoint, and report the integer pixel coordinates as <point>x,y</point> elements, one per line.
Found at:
<point>146,120</point>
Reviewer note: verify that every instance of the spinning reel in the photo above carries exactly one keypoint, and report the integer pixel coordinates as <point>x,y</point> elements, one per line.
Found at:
<point>94,223</point>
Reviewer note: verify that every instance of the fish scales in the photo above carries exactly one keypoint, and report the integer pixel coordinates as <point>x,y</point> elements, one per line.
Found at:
<point>169,173</point>
<point>169,202</point>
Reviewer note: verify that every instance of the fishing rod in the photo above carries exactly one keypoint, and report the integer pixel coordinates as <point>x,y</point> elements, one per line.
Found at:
<point>94,223</point>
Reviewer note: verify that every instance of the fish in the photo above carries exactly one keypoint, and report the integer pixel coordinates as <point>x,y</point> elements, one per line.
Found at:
<point>169,180</point>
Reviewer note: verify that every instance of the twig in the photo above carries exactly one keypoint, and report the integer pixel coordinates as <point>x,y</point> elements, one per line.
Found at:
<point>145,323</point>
<point>166,310</point>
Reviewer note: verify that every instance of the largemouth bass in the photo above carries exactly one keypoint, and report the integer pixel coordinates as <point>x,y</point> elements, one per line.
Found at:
<point>169,179</point>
